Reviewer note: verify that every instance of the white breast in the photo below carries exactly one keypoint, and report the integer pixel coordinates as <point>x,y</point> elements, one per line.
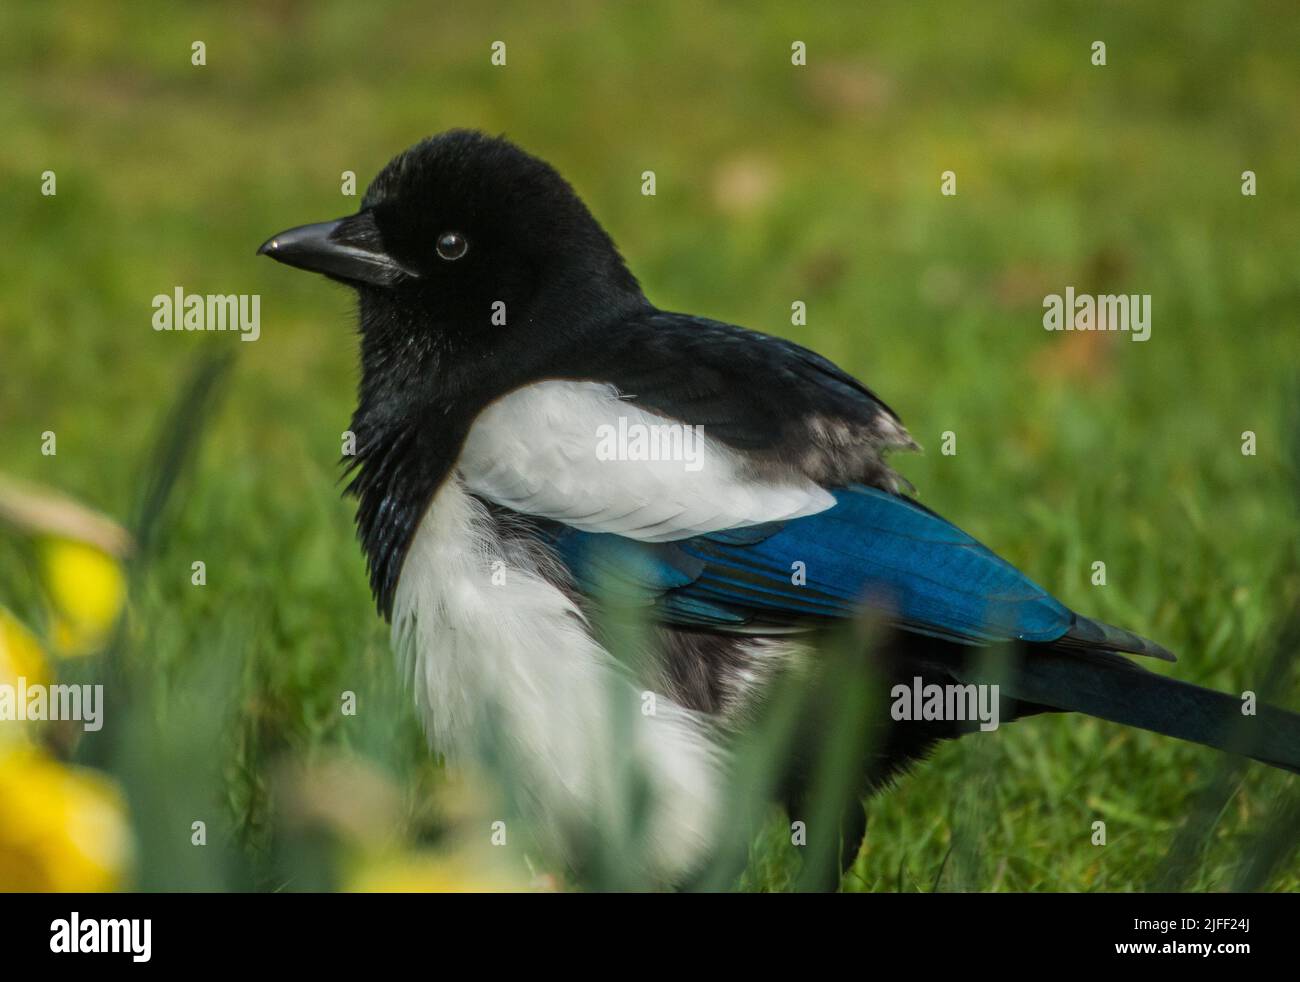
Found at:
<point>578,453</point>
<point>498,653</point>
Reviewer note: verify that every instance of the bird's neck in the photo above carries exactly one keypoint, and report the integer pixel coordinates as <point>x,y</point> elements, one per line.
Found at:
<point>408,428</point>
<point>421,389</point>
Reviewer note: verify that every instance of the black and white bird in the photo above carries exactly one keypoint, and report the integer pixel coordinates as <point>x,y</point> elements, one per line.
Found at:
<point>517,392</point>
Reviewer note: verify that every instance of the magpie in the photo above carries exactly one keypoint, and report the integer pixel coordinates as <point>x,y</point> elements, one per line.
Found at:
<point>515,387</point>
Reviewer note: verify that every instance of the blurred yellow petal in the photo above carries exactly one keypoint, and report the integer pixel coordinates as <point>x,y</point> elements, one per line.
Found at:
<point>20,652</point>
<point>87,588</point>
<point>430,872</point>
<point>21,657</point>
<point>61,828</point>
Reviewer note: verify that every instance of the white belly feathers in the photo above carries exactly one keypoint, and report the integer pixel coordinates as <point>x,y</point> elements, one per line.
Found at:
<point>490,642</point>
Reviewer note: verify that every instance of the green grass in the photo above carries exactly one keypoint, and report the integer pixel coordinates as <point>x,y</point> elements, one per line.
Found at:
<point>775,183</point>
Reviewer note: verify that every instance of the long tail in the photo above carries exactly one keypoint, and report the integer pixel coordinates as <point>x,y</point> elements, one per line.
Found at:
<point>1109,686</point>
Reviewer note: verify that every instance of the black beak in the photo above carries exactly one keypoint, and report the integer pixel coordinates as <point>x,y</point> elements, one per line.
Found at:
<point>349,249</point>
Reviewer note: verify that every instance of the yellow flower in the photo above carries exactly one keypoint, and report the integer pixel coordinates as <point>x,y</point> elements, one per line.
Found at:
<point>61,828</point>
<point>87,589</point>
<point>20,657</point>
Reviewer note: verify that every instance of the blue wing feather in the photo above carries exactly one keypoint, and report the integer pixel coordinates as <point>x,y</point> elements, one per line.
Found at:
<point>872,549</point>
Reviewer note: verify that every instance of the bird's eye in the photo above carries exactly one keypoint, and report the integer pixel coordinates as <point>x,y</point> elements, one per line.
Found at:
<point>452,245</point>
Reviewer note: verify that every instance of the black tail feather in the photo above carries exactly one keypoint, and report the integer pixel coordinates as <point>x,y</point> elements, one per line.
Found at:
<point>1110,687</point>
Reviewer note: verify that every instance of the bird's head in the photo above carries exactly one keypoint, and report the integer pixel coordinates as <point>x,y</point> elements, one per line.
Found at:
<point>466,243</point>
<point>476,267</point>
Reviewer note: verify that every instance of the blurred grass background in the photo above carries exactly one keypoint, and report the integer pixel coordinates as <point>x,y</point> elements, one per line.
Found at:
<point>775,183</point>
